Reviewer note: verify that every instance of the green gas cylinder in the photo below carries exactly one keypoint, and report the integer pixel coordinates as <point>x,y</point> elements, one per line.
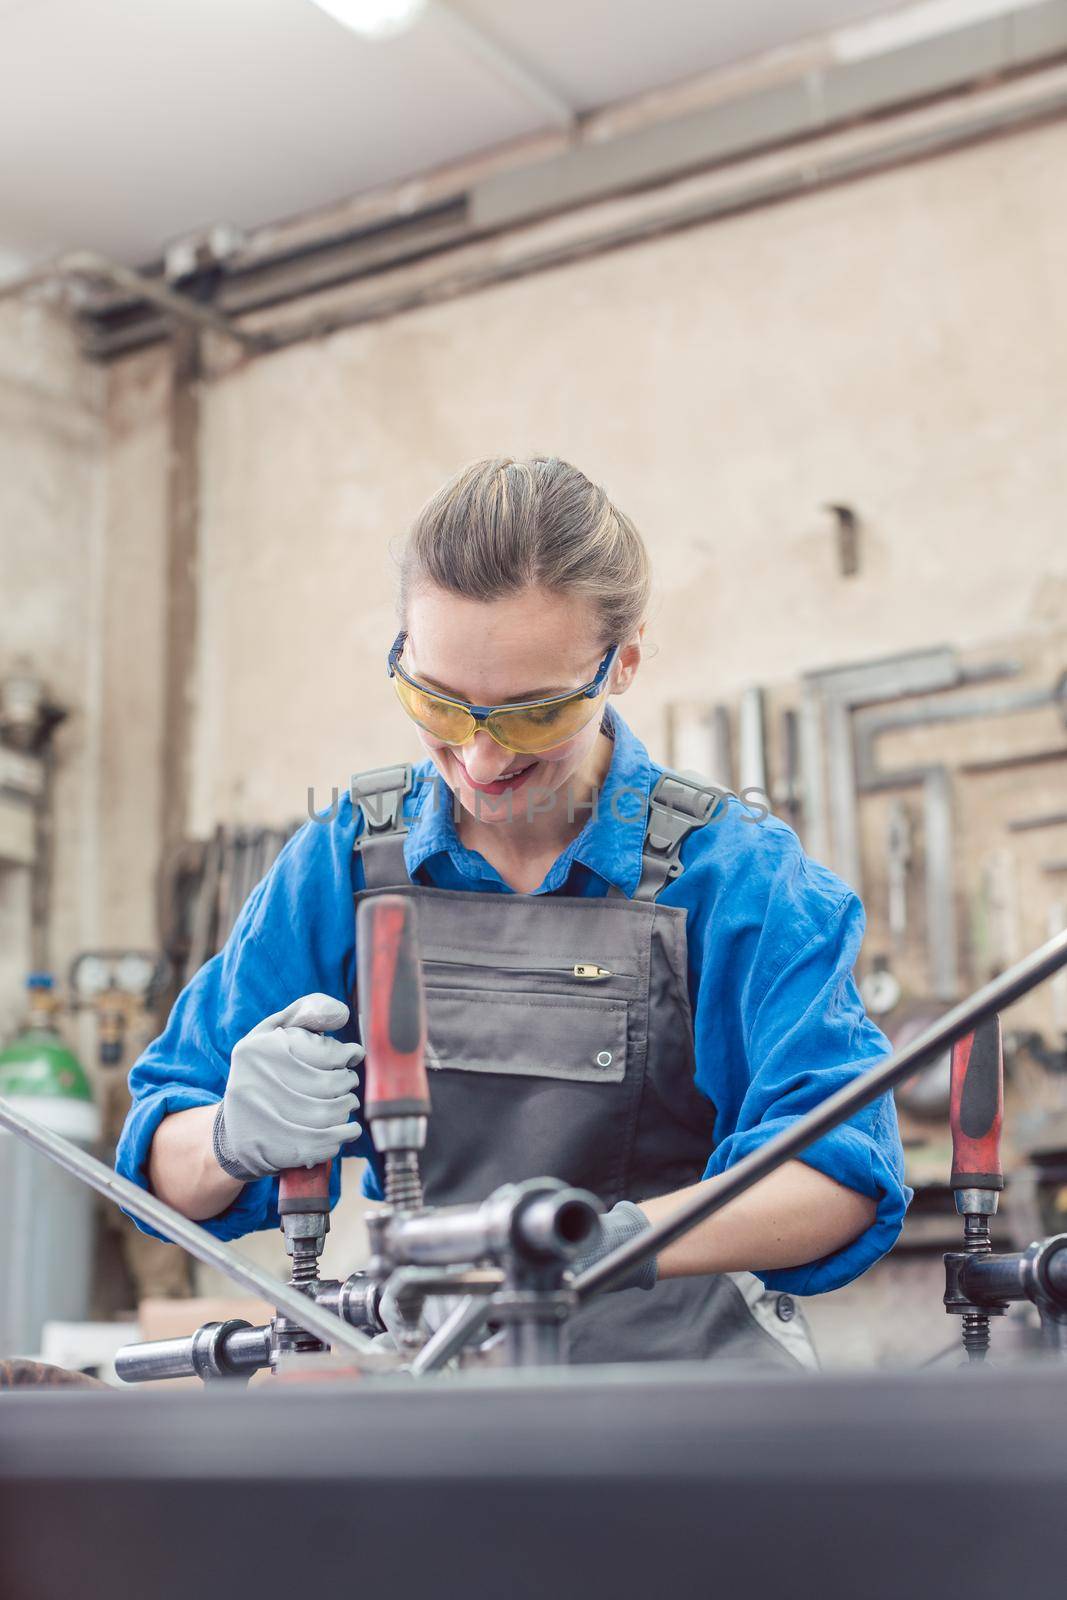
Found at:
<point>47,1243</point>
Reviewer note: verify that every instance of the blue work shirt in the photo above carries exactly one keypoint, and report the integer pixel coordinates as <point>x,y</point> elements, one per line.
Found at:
<point>772,938</point>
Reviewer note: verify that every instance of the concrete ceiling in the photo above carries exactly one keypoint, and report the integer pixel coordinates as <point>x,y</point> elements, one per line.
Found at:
<point>125,124</point>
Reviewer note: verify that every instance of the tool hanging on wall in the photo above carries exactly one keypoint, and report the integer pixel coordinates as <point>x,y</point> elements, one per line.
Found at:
<point>203,889</point>
<point>898,860</point>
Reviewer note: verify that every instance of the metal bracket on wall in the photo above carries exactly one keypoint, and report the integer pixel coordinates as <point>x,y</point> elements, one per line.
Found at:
<point>829,699</point>
<point>867,727</point>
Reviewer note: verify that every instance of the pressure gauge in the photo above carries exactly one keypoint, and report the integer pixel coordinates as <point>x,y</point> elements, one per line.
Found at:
<point>134,973</point>
<point>90,976</point>
<point>881,991</point>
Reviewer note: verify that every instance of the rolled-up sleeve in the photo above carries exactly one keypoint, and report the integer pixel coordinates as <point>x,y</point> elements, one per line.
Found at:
<point>186,1067</point>
<point>294,936</point>
<point>805,1036</point>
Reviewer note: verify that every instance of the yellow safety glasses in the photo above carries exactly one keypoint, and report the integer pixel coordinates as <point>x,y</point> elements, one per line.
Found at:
<point>526,727</point>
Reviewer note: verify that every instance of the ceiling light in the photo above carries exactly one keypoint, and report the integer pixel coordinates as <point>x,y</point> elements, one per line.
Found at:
<point>375,19</point>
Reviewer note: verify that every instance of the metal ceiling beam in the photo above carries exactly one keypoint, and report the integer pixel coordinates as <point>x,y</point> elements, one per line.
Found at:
<point>496,216</point>
<point>176,307</point>
<point>799,168</point>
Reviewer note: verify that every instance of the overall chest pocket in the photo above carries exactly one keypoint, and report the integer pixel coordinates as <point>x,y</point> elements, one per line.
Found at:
<point>530,1016</point>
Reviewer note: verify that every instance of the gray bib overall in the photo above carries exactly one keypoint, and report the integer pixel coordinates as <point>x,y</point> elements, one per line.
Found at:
<point>561,1044</point>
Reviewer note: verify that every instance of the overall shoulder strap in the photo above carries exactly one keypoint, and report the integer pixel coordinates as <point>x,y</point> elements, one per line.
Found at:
<point>680,802</point>
<point>379,794</point>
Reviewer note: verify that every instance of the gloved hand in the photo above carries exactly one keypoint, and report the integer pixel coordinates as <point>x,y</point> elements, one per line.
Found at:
<point>623,1222</point>
<point>289,1095</point>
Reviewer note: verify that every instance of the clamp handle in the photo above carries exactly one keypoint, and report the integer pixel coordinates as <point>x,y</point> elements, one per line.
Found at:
<point>392,1008</point>
<point>976,1110</point>
<point>304,1189</point>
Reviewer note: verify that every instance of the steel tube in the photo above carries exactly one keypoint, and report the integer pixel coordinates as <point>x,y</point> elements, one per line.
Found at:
<point>1056,1271</point>
<point>161,1358</point>
<point>1010,986</point>
<point>462,1325</point>
<point>555,1225</point>
<point>243,1350</point>
<point>451,1235</point>
<point>988,1279</point>
<point>191,1236</point>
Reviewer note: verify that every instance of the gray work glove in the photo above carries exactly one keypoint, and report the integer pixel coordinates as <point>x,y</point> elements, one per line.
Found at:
<point>289,1098</point>
<point>623,1222</point>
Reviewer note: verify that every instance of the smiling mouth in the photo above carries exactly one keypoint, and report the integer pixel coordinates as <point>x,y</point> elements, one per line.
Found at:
<point>498,783</point>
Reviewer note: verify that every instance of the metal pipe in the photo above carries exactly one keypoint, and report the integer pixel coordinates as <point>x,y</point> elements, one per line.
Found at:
<point>196,1240</point>
<point>963,1018</point>
<point>554,1224</point>
<point>150,1363</point>
<point>461,1325</point>
<point>218,1350</point>
<point>86,264</point>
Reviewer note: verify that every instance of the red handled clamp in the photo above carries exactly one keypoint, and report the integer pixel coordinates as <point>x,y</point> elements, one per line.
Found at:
<point>976,1113</point>
<point>392,1012</point>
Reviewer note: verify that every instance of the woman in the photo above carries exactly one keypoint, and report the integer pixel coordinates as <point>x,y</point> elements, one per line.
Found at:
<point>631,981</point>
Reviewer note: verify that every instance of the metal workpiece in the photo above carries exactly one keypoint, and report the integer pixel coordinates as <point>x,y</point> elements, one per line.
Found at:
<point>235,1349</point>
<point>983,1285</point>
<point>196,1240</point>
<point>541,1220</point>
<point>533,1321</point>
<point>1038,1274</point>
<point>460,1328</point>
<point>355,1301</point>
<point>217,1351</point>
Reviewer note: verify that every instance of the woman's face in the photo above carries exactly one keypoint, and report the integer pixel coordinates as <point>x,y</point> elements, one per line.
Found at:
<point>520,647</point>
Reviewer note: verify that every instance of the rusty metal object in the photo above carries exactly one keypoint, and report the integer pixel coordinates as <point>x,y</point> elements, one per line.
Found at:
<point>19,1373</point>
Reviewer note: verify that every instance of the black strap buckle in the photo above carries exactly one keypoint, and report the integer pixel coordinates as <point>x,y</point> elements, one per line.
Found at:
<point>680,802</point>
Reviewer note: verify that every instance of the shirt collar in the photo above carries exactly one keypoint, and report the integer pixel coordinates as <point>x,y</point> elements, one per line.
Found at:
<point>609,843</point>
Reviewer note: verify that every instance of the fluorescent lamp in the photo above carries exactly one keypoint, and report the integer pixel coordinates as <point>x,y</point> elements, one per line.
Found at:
<point>894,30</point>
<point>375,19</point>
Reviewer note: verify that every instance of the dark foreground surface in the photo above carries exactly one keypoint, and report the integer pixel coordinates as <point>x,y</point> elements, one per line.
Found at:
<point>673,1482</point>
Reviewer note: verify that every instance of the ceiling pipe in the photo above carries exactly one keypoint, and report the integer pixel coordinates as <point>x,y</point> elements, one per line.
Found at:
<point>179,307</point>
<point>800,168</point>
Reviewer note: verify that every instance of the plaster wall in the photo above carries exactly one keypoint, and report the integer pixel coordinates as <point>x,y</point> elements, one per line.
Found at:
<point>83,456</point>
<point>899,344</point>
<point>51,569</point>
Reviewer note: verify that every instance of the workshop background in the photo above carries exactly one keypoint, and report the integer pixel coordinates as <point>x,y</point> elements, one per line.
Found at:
<point>787,278</point>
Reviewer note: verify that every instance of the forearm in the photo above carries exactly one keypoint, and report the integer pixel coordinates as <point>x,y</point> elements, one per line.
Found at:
<point>794,1216</point>
<point>182,1169</point>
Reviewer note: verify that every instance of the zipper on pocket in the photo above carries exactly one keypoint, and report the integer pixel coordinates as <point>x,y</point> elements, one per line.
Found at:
<point>588,971</point>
